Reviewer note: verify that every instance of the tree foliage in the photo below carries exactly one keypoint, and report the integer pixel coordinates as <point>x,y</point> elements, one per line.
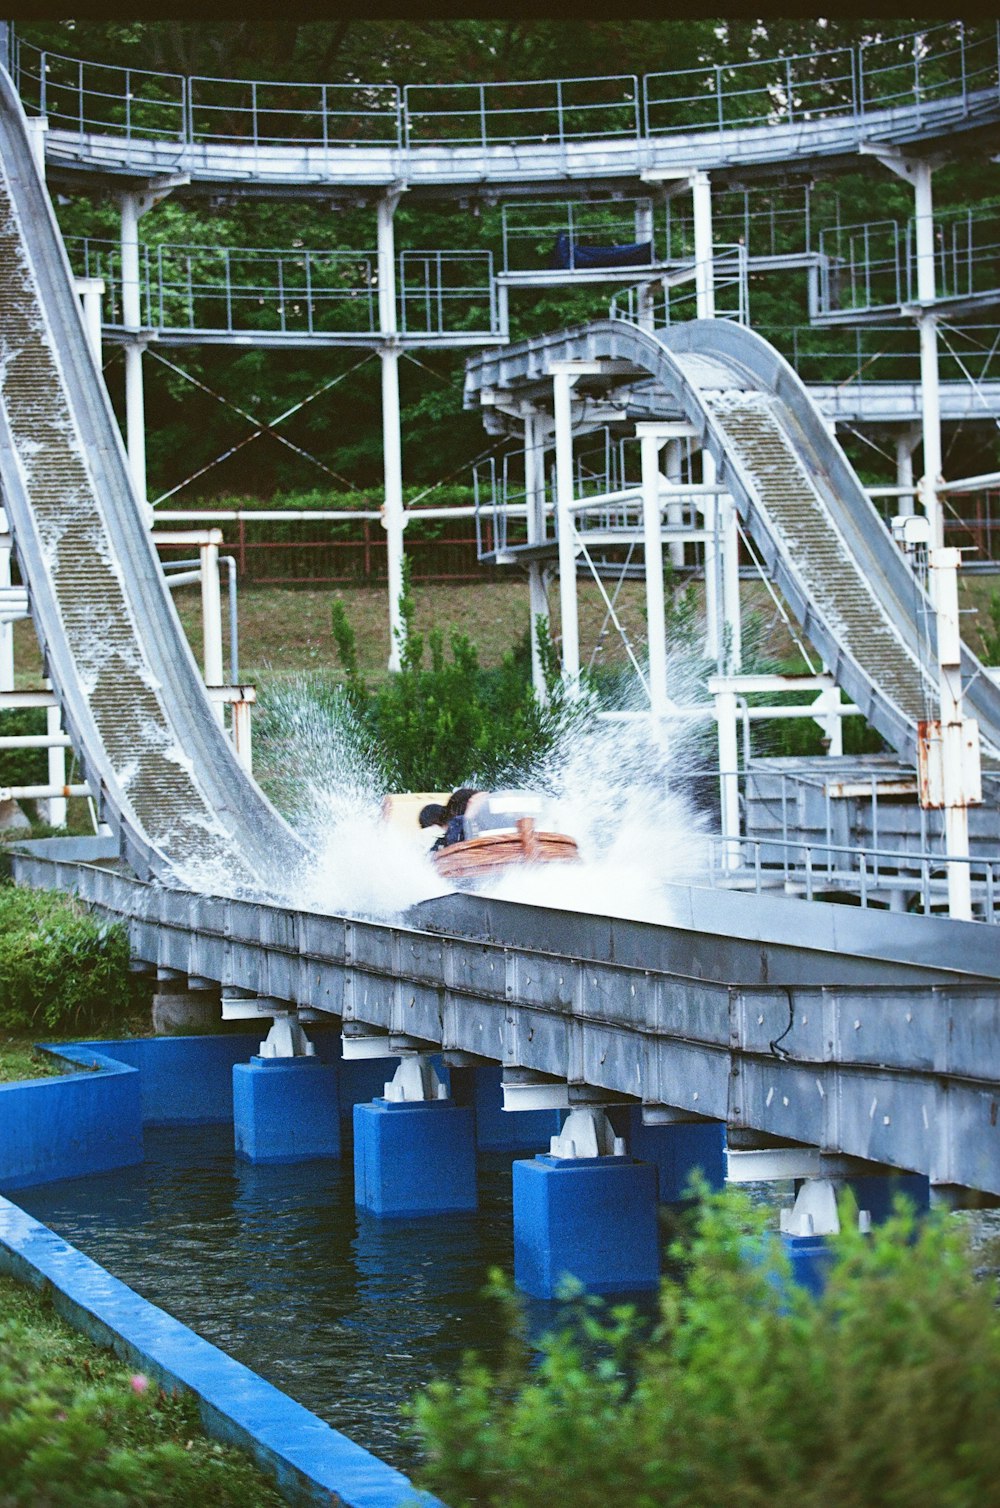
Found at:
<point>747,1391</point>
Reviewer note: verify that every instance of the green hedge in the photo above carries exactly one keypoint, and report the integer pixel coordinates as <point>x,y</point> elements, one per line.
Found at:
<point>23,766</point>
<point>60,967</point>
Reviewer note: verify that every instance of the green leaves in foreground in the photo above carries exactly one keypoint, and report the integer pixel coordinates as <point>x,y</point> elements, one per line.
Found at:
<point>746,1390</point>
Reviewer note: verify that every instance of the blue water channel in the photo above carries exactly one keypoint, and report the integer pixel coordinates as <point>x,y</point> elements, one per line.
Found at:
<point>347,1313</point>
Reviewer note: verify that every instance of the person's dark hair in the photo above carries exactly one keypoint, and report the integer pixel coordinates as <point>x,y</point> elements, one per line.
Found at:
<point>432,815</point>
<point>459,800</point>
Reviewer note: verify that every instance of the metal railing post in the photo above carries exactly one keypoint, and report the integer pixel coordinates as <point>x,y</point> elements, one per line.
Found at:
<point>861,78</point>
<point>718,95</point>
<point>559,115</point>
<point>788,90</point>
<point>482,115</point>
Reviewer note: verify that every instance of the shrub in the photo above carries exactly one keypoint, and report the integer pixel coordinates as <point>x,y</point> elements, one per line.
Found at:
<point>747,1391</point>
<point>23,766</point>
<point>60,967</point>
<point>449,722</point>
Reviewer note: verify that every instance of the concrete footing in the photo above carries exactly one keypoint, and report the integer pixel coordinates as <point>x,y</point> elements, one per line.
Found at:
<point>593,1219</point>
<point>285,1109</point>
<point>414,1157</point>
<point>178,1011</point>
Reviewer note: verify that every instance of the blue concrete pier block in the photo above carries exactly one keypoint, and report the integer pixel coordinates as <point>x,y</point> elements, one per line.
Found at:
<point>593,1218</point>
<point>285,1109</point>
<point>497,1129</point>
<point>675,1151</point>
<point>414,1157</point>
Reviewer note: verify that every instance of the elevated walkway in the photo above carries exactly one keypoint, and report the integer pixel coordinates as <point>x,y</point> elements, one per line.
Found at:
<point>528,136</point>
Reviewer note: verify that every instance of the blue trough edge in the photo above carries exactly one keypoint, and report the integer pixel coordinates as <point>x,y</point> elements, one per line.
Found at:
<point>311,1462</point>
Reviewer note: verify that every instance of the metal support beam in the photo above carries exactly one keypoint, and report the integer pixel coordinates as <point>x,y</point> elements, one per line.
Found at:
<point>564,375</point>
<point>535,431</point>
<point>652,437</point>
<point>393,520</point>
<point>704,276</point>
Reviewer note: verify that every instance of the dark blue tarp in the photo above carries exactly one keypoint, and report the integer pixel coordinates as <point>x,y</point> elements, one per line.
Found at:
<point>566,253</point>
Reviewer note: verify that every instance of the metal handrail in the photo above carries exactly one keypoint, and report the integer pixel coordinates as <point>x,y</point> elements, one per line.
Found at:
<point>945,67</point>
<point>872,867</point>
<point>291,289</point>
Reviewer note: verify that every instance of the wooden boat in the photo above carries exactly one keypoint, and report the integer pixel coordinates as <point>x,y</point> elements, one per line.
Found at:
<point>487,855</point>
<point>502,830</point>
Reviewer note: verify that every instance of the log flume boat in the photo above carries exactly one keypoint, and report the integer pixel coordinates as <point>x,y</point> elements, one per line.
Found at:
<point>501,829</point>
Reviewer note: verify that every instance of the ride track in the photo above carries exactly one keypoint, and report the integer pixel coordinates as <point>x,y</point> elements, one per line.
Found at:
<point>648,1013</point>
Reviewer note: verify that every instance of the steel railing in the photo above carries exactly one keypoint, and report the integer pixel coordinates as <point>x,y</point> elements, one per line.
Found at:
<point>874,265</point>
<point>949,68</point>
<point>218,289</point>
<point>867,873</point>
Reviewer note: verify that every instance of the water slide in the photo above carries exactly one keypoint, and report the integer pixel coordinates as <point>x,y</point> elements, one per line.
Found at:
<point>798,497</point>
<point>147,738</point>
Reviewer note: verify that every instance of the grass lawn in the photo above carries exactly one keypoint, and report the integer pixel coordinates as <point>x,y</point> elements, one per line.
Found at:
<point>20,1059</point>
<point>79,1427</point>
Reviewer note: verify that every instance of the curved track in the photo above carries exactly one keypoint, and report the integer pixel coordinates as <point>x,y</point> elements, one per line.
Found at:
<point>822,540</point>
<point>132,698</point>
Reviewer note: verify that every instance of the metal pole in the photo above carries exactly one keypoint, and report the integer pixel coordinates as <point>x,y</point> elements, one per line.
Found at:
<point>534,488</point>
<point>704,277</point>
<point>90,292</point>
<point>958,787</point>
<point>905,444</point>
<point>57,767</point>
<point>731,584</point>
<point>562,383</point>
<point>393,520</point>
<point>651,439</point>
<point>135,416</point>
<point>644,231</point>
<point>211,614</point>
<point>729,786</point>
<point>927,325</point>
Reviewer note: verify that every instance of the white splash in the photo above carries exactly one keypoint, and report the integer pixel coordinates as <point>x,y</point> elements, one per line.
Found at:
<point>618,788</point>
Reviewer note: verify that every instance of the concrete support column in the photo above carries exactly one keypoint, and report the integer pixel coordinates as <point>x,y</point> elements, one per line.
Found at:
<point>392,449</point>
<point>179,1010</point>
<point>563,379</point>
<point>906,443</point>
<point>285,1100</point>
<point>534,488</point>
<point>704,276</point>
<point>90,291</point>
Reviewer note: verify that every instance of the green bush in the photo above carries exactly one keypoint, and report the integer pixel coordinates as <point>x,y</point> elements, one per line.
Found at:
<point>449,722</point>
<point>60,967</point>
<point>747,1391</point>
